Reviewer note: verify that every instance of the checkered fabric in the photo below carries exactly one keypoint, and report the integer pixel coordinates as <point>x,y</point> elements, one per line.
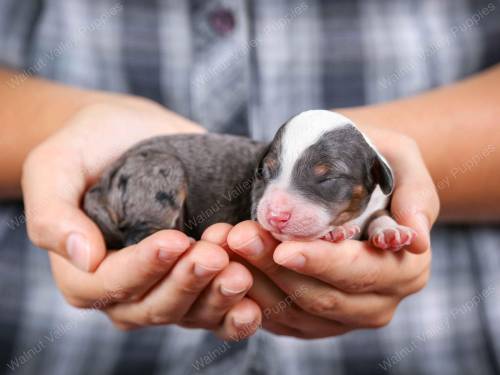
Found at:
<point>244,67</point>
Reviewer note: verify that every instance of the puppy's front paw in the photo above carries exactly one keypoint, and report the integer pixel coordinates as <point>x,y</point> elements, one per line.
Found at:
<point>343,232</point>
<point>392,238</point>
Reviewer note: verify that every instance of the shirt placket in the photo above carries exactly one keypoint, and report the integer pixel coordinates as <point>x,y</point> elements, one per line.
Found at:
<point>219,76</point>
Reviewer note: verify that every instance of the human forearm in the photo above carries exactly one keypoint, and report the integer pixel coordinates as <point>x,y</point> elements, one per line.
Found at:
<point>29,113</point>
<point>457,129</point>
<point>35,108</point>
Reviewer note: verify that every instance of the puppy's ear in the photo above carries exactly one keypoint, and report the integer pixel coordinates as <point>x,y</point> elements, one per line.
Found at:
<point>380,170</point>
<point>382,173</point>
<point>259,170</point>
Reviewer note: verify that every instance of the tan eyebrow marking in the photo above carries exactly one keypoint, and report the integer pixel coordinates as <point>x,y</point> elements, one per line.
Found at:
<point>321,169</point>
<point>358,191</point>
<point>271,163</point>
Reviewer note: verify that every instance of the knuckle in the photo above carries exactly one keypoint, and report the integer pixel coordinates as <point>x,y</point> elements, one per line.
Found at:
<point>419,283</point>
<point>148,270</point>
<point>31,161</point>
<point>76,302</point>
<point>224,334</point>
<point>196,322</point>
<point>271,268</point>
<point>290,314</point>
<point>153,316</point>
<point>426,262</point>
<point>426,276</point>
<point>191,288</point>
<point>124,327</point>
<point>366,282</point>
<point>35,226</point>
<point>350,259</point>
<point>381,320</point>
<point>323,268</point>
<point>113,293</point>
<point>324,303</point>
<point>419,279</point>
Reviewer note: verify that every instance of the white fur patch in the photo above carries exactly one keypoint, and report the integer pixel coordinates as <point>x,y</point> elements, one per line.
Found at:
<point>301,132</point>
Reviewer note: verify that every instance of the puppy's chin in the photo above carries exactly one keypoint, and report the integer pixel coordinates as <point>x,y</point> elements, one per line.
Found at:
<point>290,237</point>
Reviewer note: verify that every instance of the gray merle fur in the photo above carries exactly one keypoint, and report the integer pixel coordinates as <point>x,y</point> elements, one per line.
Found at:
<point>185,182</point>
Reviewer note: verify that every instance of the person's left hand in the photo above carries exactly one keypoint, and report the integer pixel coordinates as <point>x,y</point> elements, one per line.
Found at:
<point>320,289</point>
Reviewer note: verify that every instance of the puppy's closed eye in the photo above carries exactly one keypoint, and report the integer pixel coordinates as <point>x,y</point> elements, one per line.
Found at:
<point>321,170</point>
<point>267,169</point>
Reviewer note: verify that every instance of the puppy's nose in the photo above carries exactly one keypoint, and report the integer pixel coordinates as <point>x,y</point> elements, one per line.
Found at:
<point>278,219</point>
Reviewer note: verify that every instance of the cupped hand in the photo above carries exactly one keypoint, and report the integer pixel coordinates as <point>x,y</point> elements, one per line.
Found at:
<point>319,289</point>
<point>164,279</point>
<point>58,171</point>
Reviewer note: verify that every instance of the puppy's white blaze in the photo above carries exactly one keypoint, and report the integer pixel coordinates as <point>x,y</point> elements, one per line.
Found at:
<point>301,132</point>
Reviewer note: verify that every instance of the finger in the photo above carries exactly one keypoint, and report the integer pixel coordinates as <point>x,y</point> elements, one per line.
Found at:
<point>308,333</point>
<point>282,330</point>
<point>353,266</point>
<point>226,290</point>
<point>54,220</point>
<point>282,308</point>
<point>125,274</point>
<point>217,233</point>
<point>242,321</point>
<point>322,301</point>
<point>328,293</point>
<point>249,240</point>
<point>415,202</point>
<point>171,299</point>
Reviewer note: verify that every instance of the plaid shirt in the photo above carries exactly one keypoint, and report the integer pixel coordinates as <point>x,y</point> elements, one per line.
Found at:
<point>244,67</point>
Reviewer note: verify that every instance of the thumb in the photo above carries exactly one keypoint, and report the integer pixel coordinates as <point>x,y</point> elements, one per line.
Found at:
<point>415,202</point>
<point>414,216</point>
<point>70,233</point>
<point>52,192</point>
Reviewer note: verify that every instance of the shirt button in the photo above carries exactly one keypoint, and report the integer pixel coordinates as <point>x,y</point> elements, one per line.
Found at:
<point>222,21</point>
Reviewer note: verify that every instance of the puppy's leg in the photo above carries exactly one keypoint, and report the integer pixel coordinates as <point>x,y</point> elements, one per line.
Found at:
<point>347,231</point>
<point>385,233</point>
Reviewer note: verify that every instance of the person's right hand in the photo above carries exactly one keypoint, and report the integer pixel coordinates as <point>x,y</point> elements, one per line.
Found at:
<point>166,279</point>
<point>57,172</point>
<point>163,279</point>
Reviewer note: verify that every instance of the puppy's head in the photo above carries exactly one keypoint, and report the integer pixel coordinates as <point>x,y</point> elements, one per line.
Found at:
<point>319,172</point>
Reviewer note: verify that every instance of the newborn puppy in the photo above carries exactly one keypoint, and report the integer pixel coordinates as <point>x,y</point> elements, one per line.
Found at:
<point>184,181</point>
<point>322,178</point>
<point>319,178</point>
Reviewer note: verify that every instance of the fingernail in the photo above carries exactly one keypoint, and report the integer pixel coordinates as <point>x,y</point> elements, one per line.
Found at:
<point>296,261</point>
<point>253,247</point>
<point>172,250</point>
<point>203,271</point>
<point>244,320</point>
<point>228,292</point>
<point>168,255</point>
<point>78,250</point>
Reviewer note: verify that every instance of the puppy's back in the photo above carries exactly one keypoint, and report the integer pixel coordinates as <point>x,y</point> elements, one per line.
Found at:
<point>187,182</point>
